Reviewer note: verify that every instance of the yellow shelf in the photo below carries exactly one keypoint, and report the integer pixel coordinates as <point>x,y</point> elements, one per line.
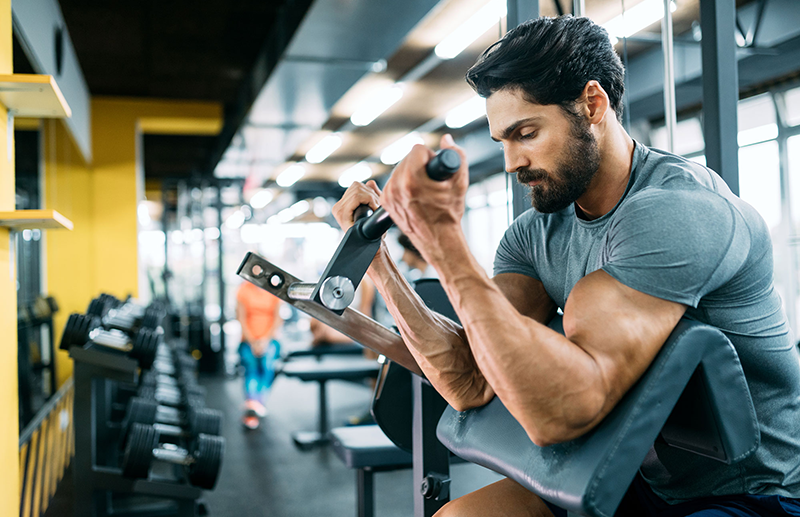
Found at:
<point>34,219</point>
<point>33,95</point>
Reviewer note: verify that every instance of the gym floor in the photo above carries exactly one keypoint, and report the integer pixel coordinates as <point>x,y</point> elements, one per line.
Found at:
<point>263,474</point>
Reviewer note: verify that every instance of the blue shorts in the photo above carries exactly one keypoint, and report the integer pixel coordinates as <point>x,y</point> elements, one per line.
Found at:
<point>641,501</point>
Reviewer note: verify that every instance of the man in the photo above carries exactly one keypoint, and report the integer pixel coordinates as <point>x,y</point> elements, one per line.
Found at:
<point>624,239</point>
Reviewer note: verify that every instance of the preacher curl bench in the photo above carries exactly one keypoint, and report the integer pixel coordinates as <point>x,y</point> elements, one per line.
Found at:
<point>693,396</point>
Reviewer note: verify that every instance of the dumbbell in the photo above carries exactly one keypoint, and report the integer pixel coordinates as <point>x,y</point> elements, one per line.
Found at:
<point>166,366</point>
<point>155,379</point>
<point>195,397</point>
<point>81,329</point>
<point>102,304</point>
<point>174,365</point>
<point>161,375</point>
<point>202,461</point>
<point>128,316</point>
<point>170,421</point>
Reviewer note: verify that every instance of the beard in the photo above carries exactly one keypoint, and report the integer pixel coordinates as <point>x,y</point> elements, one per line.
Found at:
<point>574,171</point>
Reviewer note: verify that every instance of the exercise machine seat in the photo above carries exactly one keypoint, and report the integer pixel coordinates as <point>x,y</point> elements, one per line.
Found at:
<point>694,396</point>
<point>366,446</point>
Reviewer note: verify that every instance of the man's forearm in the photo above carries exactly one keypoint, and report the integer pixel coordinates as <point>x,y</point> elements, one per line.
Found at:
<point>437,343</point>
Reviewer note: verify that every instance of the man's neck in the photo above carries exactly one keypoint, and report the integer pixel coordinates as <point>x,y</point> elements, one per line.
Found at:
<point>609,184</point>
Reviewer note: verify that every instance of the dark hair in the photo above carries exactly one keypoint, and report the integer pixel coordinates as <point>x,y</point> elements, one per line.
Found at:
<point>551,60</point>
<point>406,243</point>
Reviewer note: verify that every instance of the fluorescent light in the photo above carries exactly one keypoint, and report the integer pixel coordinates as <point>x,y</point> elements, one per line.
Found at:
<point>212,233</point>
<point>296,210</point>
<point>261,199</point>
<point>324,148</point>
<point>757,134</point>
<point>636,18</point>
<point>376,104</point>
<point>289,177</point>
<point>358,172</point>
<point>398,150</point>
<point>471,30</point>
<point>236,220</point>
<point>465,113</point>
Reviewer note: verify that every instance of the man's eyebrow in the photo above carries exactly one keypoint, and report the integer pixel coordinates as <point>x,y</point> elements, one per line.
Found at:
<point>513,127</point>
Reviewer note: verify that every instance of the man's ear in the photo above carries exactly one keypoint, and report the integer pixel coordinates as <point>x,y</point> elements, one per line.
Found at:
<point>595,102</point>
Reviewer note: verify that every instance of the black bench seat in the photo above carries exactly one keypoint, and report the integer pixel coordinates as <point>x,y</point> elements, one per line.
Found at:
<point>368,450</point>
<point>328,369</point>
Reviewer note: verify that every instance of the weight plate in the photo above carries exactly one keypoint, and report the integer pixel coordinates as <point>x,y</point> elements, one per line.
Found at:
<point>148,378</point>
<point>207,453</point>
<point>138,456</point>
<point>147,392</point>
<point>96,308</point>
<point>68,337</point>
<point>139,411</point>
<point>145,347</point>
<point>205,421</point>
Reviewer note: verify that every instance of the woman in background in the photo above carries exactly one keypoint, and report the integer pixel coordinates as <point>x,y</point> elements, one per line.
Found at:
<point>257,312</point>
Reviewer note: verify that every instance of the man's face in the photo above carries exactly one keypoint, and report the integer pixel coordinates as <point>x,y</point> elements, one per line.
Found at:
<point>552,152</point>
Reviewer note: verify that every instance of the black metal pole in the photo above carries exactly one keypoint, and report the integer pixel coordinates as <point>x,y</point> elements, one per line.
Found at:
<point>720,89</point>
<point>165,229</point>
<point>518,12</point>
<point>220,263</point>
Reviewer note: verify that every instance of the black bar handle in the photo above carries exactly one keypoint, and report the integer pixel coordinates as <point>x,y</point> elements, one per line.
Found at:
<point>443,165</point>
<point>361,212</point>
<point>440,168</point>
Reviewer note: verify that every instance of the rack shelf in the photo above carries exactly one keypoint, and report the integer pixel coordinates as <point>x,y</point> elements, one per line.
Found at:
<point>34,219</point>
<point>33,95</point>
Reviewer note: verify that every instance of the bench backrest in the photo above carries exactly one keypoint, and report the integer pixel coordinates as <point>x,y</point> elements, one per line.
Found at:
<point>694,395</point>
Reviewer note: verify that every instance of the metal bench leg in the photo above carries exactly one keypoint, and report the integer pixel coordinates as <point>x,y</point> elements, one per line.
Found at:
<point>307,440</point>
<point>365,493</point>
<point>323,409</point>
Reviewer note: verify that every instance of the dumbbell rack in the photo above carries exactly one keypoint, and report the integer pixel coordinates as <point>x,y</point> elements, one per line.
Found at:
<point>98,477</point>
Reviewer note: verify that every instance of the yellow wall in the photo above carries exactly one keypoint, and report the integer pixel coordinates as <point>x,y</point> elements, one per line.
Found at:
<point>70,258</point>
<point>9,404</point>
<point>101,199</point>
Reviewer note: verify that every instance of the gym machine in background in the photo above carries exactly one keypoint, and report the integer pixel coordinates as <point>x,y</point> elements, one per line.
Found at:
<point>144,440</point>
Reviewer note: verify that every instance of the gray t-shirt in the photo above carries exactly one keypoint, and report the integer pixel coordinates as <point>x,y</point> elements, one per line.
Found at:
<point>680,234</point>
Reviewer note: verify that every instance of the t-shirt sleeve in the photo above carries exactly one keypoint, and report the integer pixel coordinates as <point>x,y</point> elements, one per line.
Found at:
<point>678,245</point>
<point>514,254</point>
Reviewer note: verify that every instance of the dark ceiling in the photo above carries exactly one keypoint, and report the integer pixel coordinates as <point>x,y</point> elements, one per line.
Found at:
<point>208,50</point>
<point>200,50</point>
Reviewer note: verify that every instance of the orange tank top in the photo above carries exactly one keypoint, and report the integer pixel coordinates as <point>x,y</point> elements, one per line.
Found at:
<point>260,309</point>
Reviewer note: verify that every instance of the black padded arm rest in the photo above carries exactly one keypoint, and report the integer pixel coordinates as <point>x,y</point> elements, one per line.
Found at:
<point>590,475</point>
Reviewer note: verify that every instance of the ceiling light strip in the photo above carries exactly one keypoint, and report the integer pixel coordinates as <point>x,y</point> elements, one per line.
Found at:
<point>324,148</point>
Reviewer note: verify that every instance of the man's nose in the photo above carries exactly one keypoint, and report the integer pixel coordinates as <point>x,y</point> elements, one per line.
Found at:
<point>515,161</point>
